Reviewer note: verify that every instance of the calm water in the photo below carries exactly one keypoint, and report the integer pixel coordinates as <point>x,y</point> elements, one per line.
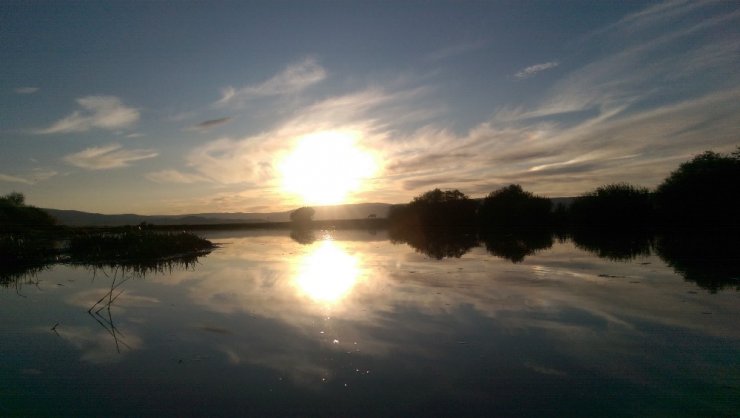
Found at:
<point>352,324</point>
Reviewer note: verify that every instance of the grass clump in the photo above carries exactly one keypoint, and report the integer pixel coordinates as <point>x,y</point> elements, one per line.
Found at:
<point>135,245</point>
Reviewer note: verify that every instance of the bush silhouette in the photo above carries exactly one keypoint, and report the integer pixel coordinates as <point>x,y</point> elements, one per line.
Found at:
<point>617,205</point>
<point>16,216</point>
<point>702,192</point>
<point>302,216</point>
<point>435,208</point>
<point>511,206</point>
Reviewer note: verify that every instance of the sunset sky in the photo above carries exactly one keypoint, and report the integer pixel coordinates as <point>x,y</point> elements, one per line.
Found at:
<point>185,107</point>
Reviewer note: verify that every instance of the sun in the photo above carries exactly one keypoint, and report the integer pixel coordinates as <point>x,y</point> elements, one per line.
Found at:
<point>325,167</point>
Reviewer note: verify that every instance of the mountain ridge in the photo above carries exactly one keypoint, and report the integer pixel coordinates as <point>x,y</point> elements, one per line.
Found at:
<point>70,217</point>
<point>329,212</point>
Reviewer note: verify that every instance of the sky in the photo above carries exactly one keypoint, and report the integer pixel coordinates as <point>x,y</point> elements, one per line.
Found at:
<point>189,107</point>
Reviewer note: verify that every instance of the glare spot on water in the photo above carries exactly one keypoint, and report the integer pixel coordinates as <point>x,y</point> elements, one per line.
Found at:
<point>327,274</point>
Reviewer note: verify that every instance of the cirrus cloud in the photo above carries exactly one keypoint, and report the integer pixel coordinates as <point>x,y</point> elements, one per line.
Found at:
<point>292,79</point>
<point>208,124</point>
<point>26,90</point>
<point>108,157</point>
<point>36,175</point>
<point>101,112</point>
<point>175,176</point>
<point>534,69</point>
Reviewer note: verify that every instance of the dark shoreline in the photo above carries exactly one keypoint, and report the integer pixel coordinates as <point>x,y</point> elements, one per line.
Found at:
<point>373,223</point>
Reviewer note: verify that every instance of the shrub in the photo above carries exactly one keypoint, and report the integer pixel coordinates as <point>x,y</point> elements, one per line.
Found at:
<point>511,206</point>
<point>16,216</point>
<point>615,205</point>
<point>702,192</point>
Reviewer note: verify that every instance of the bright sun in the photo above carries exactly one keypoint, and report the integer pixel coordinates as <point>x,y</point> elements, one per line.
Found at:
<point>325,167</point>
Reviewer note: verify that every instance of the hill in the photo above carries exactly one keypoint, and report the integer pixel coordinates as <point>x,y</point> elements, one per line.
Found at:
<point>334,212</point>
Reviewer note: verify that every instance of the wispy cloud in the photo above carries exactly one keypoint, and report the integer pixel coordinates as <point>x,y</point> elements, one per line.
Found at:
<point>26,90</point>
<point>36,175</point>
<point>108,157</point>
<point>646,102</point>
<point>534,69</point>
<point>175,176</point>
<point>208,124</point>
<point>294,78</point>
<point>619,117</point>
<point>101,112</point>
<point>455,50</point>
<point>251,160</point>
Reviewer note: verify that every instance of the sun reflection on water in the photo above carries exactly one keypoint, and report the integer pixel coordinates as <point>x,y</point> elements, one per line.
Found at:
<point>328,273</point>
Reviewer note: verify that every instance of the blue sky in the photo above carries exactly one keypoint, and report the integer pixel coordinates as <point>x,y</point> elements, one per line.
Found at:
<point>181,107</point>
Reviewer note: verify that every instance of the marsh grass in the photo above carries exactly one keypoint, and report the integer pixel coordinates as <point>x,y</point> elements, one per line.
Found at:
<point>138,251</point>
<point>133,247</point>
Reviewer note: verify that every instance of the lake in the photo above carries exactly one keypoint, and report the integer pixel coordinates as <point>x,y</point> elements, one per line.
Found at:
<point>350,323</point>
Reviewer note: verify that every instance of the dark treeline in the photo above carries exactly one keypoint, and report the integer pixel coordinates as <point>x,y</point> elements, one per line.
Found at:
<point>700,194</point>
<point>691,220</point>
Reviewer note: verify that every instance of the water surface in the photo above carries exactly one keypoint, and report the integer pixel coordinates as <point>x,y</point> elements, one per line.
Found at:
<point>350,324</point>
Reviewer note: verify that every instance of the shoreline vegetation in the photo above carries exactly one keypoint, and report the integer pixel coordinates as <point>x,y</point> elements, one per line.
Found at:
<point>31,241</point>
<point>692,220</point>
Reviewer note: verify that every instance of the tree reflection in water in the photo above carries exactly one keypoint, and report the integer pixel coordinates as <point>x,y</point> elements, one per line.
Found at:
<point>437,243</point>
<point>711,260</point>
<point>613,244</point>
<point>303,236</point>
<point>515,244</point>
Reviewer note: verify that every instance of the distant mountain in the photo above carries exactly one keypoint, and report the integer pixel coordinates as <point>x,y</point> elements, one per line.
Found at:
<point>351,211</point>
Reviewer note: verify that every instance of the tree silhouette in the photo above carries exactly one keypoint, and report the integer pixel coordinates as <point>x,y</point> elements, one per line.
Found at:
<point>16,216</point>
<point>302,216</point>
<point>437,208</point>
<point>14,198</point>
<point>619,205</point>
<point>511,206</point>
<point>702,192</point>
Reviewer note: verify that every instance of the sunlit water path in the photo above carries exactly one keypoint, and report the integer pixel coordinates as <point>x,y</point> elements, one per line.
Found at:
<point>354,325</point>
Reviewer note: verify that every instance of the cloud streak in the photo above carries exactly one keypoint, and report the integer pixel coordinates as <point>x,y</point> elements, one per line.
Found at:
<point>36,175</point>
<point>650,99</point>
<point>208,124</point>
<point>108,157</point>
<point>454,51</point>
<point>535,69</point>
<point>97,112</point>
<point>26,90</point>
<point>295,78</point>
<point>174,176</point>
